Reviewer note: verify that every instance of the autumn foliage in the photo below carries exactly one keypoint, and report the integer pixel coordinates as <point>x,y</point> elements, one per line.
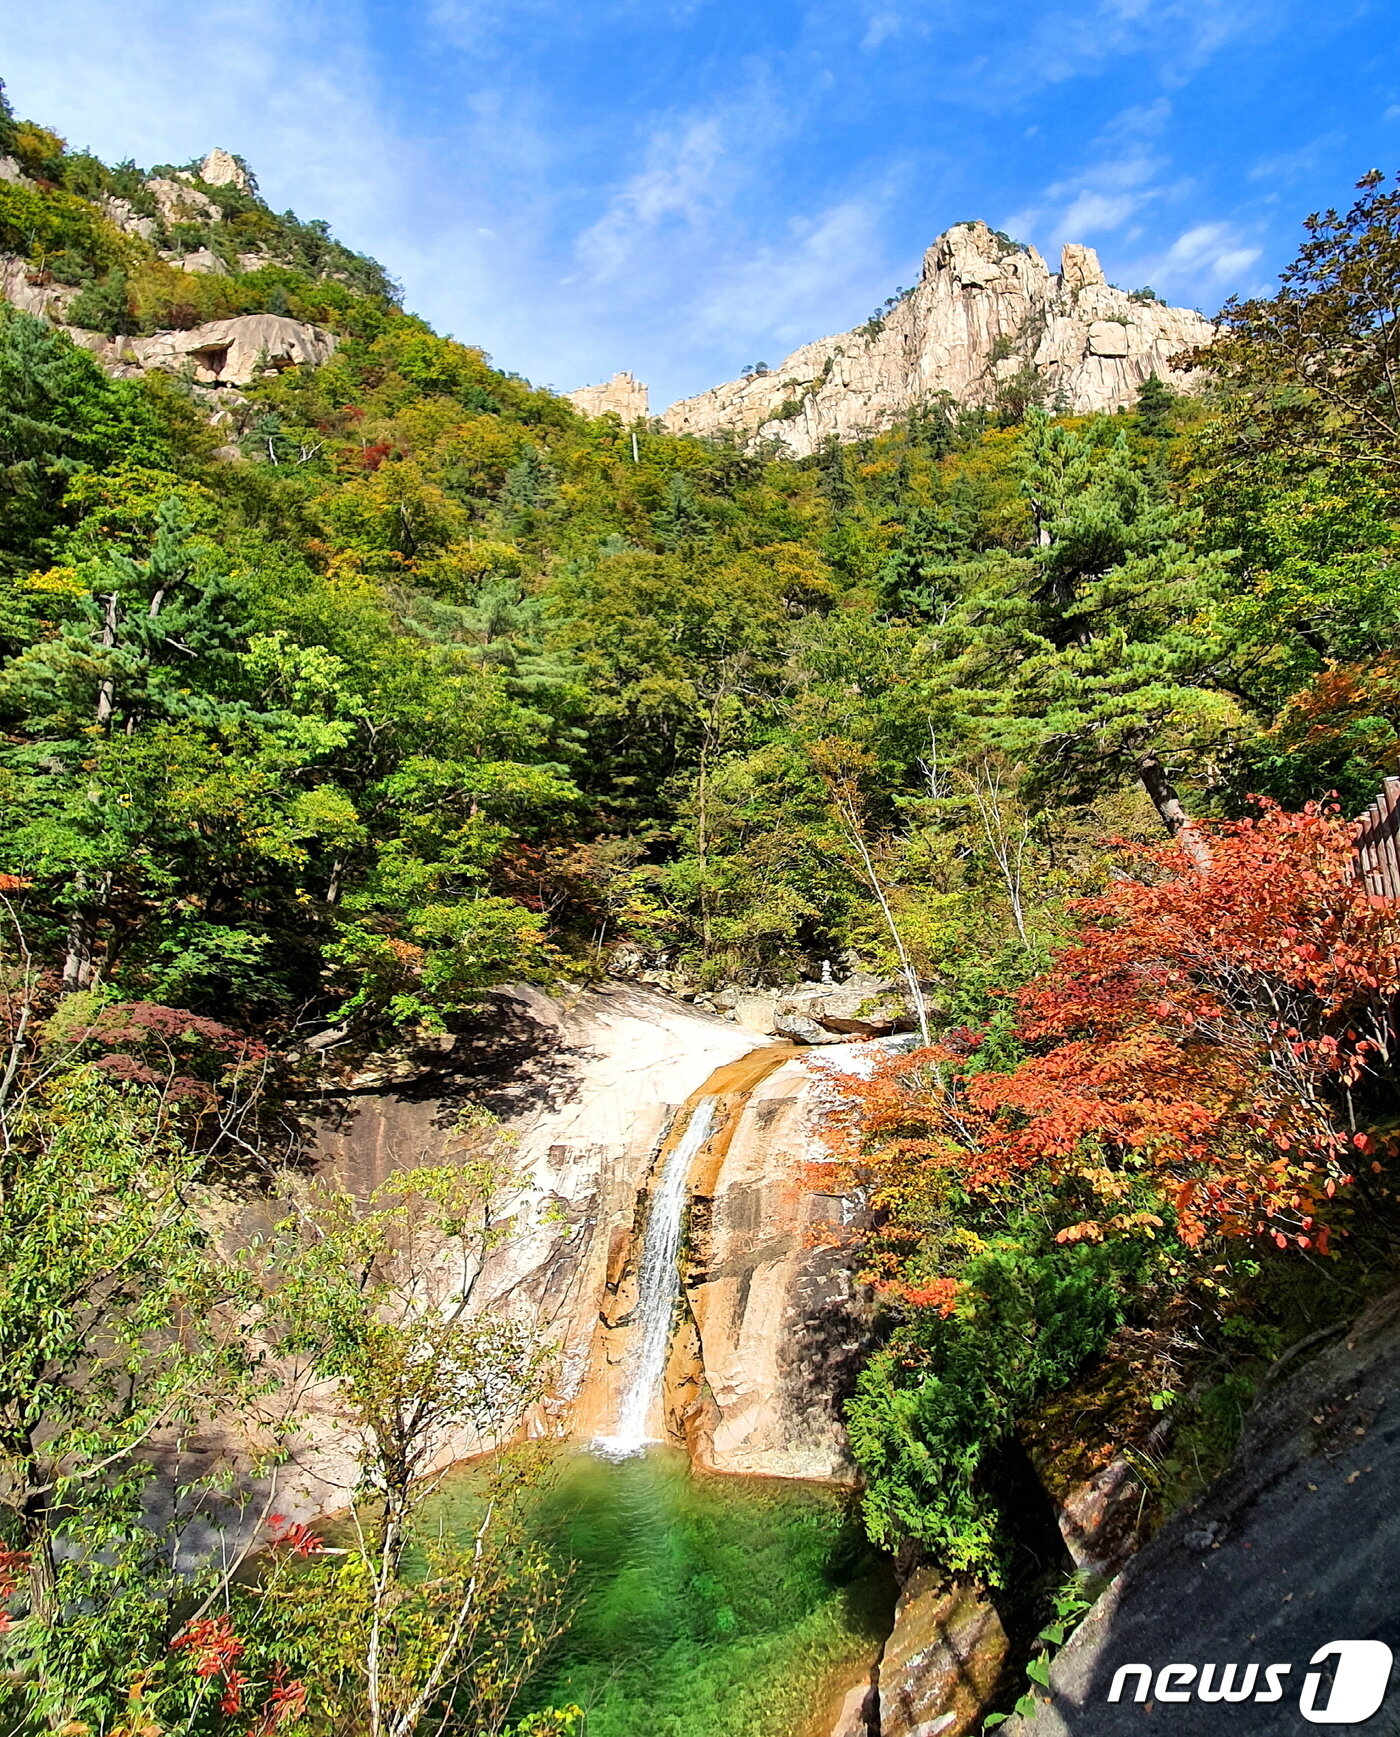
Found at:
<point>1215,1037</point>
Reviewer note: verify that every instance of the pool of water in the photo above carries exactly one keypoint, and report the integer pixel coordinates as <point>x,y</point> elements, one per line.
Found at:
<point>705,1606</point>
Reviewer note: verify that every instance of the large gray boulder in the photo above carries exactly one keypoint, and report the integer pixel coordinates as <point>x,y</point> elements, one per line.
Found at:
<point>1297,1547</point>
<point>862,1006</point>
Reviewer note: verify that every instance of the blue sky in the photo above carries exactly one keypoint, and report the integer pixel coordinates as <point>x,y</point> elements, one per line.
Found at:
<point>680,187</point>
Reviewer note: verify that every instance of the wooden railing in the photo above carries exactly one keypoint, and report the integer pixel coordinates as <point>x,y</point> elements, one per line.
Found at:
<point>1377,844</point>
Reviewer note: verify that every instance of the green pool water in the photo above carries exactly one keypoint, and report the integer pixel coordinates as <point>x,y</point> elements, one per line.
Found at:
<point>705,1606</point>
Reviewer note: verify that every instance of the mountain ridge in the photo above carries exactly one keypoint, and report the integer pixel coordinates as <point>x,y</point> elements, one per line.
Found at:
<point>988,325</point>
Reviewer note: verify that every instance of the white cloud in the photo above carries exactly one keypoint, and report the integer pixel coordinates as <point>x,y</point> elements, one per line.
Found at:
<point>1289,165</point>
<point>1092,213</point>
<point>882,26</point>
<point>683,182</point>
<point>1044,45</point>
<point>1127,194</point>
<point>1209,252</point>
<point>790,290</point>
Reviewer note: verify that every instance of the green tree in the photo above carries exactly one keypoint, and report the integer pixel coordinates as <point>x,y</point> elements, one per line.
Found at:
<point>59,414</point>
<point>1093,658</point>
<point>386,1300</point>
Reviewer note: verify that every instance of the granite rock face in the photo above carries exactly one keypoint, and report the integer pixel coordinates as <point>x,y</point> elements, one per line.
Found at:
<point>621,396</point>
<point>985,316</point>
<point>223,353</point>
<point>222,169</point>
<point>1296,1547</point>
<point>178,202</point>
<point>943,1660</point>
<point>33,292</point>
<point>777,1324</point>
<point>125,216</point>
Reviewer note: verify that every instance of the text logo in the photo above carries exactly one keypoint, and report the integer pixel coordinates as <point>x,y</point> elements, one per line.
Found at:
<point>1359,1679</point>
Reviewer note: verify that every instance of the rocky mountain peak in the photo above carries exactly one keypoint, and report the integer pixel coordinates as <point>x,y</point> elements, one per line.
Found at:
<point>988,324</point>
<point>222,169</point>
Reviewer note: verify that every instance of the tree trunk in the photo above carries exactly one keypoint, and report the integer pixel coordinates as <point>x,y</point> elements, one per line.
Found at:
<point>79,963</point>
<point>82,925</point>
<point>106,687</point>
<point>36,1520</point>
<point>702,841</point>
<point>1162,793</point>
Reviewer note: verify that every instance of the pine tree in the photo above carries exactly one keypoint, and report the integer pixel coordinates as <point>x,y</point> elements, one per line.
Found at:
<point>1154,407</point>
<point>1093,658</point>
<point>678,521</point>
<point>58,413</point>
<point>151,643</point>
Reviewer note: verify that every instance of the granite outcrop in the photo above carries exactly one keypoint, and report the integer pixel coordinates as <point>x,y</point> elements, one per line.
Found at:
<point>621,396</point>
<point>987,322</point>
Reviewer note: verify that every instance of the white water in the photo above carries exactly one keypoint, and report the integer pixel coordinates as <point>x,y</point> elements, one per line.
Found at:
<point>658,1286</point>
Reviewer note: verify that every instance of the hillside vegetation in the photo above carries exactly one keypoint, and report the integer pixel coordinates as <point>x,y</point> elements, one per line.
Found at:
<point>440,684</point>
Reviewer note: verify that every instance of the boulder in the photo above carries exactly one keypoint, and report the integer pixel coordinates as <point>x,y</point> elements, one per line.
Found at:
<point>230,352</point>
<point>943,1660</point>
<point>203,261</point>
<point>1108,338</point>
<point>862,1006</point>
<point>10,170</point>
<point>800,1028</point>
<point>753,1009</point>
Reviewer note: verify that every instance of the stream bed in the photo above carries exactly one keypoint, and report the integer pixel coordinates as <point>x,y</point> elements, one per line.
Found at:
<point>704,1606</point>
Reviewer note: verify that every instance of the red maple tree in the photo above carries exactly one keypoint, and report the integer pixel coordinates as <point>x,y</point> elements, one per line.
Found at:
<point>1215,1032</point>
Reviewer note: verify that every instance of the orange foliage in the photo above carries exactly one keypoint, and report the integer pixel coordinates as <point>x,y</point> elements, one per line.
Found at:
<point>1208,1031</point>
<point>1327,713</point>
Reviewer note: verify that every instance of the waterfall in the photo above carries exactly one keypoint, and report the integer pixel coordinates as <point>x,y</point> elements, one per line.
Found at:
<point>658,1286</point>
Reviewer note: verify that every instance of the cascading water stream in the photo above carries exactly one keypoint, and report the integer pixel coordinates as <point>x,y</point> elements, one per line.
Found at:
<point>658,1286</point>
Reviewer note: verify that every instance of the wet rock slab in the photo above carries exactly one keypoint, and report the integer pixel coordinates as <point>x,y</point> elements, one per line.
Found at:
<point>942,1663</point>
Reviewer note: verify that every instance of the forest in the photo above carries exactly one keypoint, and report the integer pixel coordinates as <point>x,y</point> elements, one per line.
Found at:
<point>439,684</point>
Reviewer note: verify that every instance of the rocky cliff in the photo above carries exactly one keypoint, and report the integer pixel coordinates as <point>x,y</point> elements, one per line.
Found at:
<point>1286,1566</point>
<point>127,265</point>
<point>591,1092</point>
<point>987,319</point>
<point>222,353</point>
<point>621,396</point>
